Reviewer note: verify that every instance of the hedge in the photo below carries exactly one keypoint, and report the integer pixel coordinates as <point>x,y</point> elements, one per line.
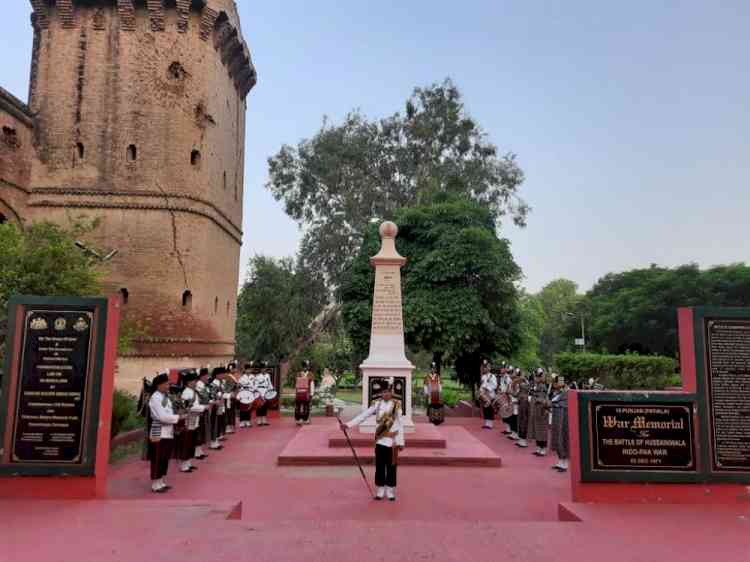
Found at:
<point>619,372</point>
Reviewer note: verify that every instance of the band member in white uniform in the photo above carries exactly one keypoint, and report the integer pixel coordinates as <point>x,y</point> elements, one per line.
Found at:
<point>195,410</point>
<point>487,395</point>
<point>161,432</point>
<point>389,440</point>
<point>263,384</point>
<point>247,388</point>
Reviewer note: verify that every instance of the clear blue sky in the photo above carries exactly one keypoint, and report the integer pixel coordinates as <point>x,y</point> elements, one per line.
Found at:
<point>630,119</point>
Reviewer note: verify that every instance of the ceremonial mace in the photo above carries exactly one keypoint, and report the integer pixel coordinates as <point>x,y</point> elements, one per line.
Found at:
<point>356,458</point>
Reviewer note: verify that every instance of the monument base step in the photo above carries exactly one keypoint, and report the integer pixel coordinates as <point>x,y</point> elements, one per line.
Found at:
<point>425,436</point>
<point>311,447</point>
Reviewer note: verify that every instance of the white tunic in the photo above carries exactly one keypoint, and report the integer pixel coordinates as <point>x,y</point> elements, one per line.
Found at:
<point>163,414</point>
<point>263,383</point>
<point>190,397</point>
<point>380,409</point>
<point>489,383</point>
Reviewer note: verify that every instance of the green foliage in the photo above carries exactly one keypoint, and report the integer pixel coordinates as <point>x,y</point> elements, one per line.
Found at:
<point>619,372</point>
<point>531,326</point>
<point>276,307</point>
<point>637,310</point>
<point>130,330</point>
<point>124,412</point>
<point>335,182</point>
<point>43,259</point>
<point>332,351</point>
<point>459,284</point>
<point>558,299</point>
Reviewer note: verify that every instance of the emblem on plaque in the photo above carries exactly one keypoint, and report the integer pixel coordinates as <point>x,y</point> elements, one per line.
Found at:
<point>38,323</point>
<point>61,324</point>
<point>81,325</point>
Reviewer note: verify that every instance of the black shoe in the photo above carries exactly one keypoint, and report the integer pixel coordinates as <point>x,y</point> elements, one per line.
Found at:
<point>219,448</point>
<point>377,499</point>
<point>193,469</point>
<point>201,457</point>
<point>159,491</point>
<point>167,487</point>
<point>560,469</point>
<point>507,432</point>
<point>391,499</point>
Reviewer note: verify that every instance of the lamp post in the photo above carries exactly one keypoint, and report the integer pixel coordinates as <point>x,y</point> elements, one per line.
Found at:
<point>583,328</point>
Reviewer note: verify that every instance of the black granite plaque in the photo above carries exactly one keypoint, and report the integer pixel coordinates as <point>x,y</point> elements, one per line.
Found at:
<point>642,436</point>
<point>50,415</point>
<point>377,384</point>
<point>728,385</point>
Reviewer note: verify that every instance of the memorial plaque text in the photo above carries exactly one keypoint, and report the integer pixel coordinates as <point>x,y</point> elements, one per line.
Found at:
<point>728,384</point>
<point>50,413</point>
<point>642,437</point>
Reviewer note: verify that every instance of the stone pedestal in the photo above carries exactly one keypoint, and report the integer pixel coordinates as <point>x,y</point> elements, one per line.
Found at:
<point>387,358</point>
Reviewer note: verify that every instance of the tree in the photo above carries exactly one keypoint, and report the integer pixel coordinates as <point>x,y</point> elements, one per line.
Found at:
<point>459,285</point>
<point>43,259</point>
<point>335,182</point>
<point>637,310</point>
<point>558,300</point>
<point>276,307</point>
<point>531,326</point>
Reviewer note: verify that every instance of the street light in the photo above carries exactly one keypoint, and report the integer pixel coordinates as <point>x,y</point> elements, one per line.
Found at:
<point>583,328</point>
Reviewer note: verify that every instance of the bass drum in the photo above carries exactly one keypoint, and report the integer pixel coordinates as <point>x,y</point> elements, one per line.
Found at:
<point>272,397</point>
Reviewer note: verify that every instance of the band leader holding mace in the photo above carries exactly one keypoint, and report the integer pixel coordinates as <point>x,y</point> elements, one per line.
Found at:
<point>389,440</point>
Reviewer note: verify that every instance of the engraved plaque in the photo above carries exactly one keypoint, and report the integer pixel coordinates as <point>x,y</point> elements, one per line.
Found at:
<point>728,386</point>
<point>644,436</point>
<point>49,424</point>
<point>377,384</point>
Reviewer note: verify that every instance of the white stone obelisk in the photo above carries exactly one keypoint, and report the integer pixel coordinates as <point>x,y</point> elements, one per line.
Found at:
<point>387,358</point>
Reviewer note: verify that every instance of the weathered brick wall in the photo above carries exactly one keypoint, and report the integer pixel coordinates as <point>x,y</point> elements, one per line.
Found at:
<point>140,122</point>
<point>15,156</point>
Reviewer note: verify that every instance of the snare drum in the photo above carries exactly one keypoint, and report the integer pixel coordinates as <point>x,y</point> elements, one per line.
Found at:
<point>272,397</point>
<point>245,399</point>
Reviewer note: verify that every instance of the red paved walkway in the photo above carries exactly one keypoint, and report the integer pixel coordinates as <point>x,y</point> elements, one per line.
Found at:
<point>323,514</point>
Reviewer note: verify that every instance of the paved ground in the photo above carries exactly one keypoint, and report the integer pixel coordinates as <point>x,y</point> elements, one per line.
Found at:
<point>324,514</point>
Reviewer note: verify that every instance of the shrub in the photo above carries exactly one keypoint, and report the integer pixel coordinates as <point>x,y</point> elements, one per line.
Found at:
<point>619,372</point>
<point>124,412</point>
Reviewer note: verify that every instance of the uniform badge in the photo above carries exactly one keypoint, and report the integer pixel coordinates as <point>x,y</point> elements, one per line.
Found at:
<point>61,324</point>
<point>81,325</point>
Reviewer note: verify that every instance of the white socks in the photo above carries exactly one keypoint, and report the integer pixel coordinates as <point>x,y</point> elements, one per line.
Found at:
<point>380,493</point>
<point>186,466</point>
<point>390,492</point>
<point>199,451</point>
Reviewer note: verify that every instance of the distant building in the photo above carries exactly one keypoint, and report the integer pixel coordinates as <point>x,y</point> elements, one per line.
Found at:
<point>136,116</point>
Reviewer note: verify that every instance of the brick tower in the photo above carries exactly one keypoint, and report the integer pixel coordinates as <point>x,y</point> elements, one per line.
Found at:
<point>136,116</point>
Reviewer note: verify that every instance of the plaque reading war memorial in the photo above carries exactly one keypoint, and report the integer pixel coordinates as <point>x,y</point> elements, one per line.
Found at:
<point>728,386</point>
<point>642,436</point>
<point>50,413</point>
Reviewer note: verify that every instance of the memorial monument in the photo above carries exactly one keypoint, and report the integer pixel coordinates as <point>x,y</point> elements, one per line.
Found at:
<point>387,357</point>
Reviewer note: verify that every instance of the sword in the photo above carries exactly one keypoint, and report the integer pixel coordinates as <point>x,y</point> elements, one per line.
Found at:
<point>356,458</point>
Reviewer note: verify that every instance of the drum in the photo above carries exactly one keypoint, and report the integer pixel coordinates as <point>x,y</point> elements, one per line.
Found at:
<point>272,397</point>
<point>245,399</point>
<point>257,401</point>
